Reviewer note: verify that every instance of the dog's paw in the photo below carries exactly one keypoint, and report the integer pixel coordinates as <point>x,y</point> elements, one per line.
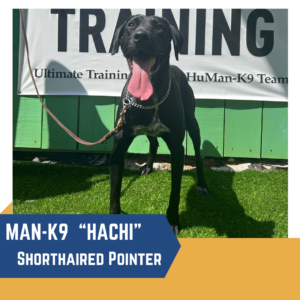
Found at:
<point>144,170</point>
<point>175,229</point>
<point>202,190</point>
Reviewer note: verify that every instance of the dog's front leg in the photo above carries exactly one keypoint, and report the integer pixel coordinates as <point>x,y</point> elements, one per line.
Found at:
<point>117,157</point>
<point>177,161</point>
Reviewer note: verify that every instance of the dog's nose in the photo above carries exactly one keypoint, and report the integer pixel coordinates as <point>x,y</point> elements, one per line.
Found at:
<point>141,36</point>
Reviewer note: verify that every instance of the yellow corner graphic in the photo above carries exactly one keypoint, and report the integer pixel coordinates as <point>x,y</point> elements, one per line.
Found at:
<point>7,210</point>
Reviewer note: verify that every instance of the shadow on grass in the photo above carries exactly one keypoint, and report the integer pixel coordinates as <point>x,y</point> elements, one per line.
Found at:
<point>126,188</point>
<point>36,181</point>
<point>221,210</point>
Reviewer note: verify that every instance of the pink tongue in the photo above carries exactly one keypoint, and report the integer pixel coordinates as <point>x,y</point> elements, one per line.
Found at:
<point>139,85</point>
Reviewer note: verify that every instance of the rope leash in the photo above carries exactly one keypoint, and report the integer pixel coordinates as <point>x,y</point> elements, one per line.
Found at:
<point>68,131</point>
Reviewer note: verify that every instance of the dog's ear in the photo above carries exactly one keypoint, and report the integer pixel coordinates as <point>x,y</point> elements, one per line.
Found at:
<point>117,38</point>
<point>177,40</point>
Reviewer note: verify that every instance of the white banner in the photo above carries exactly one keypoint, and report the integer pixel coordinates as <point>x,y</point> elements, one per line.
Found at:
<point>228,54</point>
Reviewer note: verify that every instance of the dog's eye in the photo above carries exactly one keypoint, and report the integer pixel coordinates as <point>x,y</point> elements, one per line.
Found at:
<point>131,25</point>
<point>159,28</point>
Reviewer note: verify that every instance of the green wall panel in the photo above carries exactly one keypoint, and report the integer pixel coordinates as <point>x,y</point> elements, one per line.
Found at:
<point>96,118</point>
<point>275,130</point>
<point>210,117</point>
<point>163,148</point>
<point>139,145</point>
<point>117,100</point>
<point>65,108</point>
<point>243,128</point>
<point>27,111</point>
<point>27,122</point>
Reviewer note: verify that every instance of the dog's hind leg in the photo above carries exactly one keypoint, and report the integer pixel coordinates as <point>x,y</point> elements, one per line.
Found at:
<point>194,132</point>
<point>148,167</point>
<point>117,157</point>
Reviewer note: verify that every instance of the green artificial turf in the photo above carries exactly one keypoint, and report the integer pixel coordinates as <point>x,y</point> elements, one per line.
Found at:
<point>245,204</point>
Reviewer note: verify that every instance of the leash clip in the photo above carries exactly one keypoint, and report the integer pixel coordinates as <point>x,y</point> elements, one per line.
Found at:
<point>127,101</point>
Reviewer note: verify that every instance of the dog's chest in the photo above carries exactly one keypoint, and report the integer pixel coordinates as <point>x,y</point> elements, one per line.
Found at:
<point>155,128</point>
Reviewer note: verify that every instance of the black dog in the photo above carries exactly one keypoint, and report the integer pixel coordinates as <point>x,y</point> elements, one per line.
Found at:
<point>161,104</point>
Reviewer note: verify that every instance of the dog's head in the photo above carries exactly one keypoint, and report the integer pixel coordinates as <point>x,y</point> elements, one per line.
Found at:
<point>146,44</point>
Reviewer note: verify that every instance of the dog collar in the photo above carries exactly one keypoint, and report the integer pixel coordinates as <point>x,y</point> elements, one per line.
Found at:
<point>128,100</point>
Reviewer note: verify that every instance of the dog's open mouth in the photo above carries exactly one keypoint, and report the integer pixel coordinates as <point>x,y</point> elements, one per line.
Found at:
<point>141,65</point>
